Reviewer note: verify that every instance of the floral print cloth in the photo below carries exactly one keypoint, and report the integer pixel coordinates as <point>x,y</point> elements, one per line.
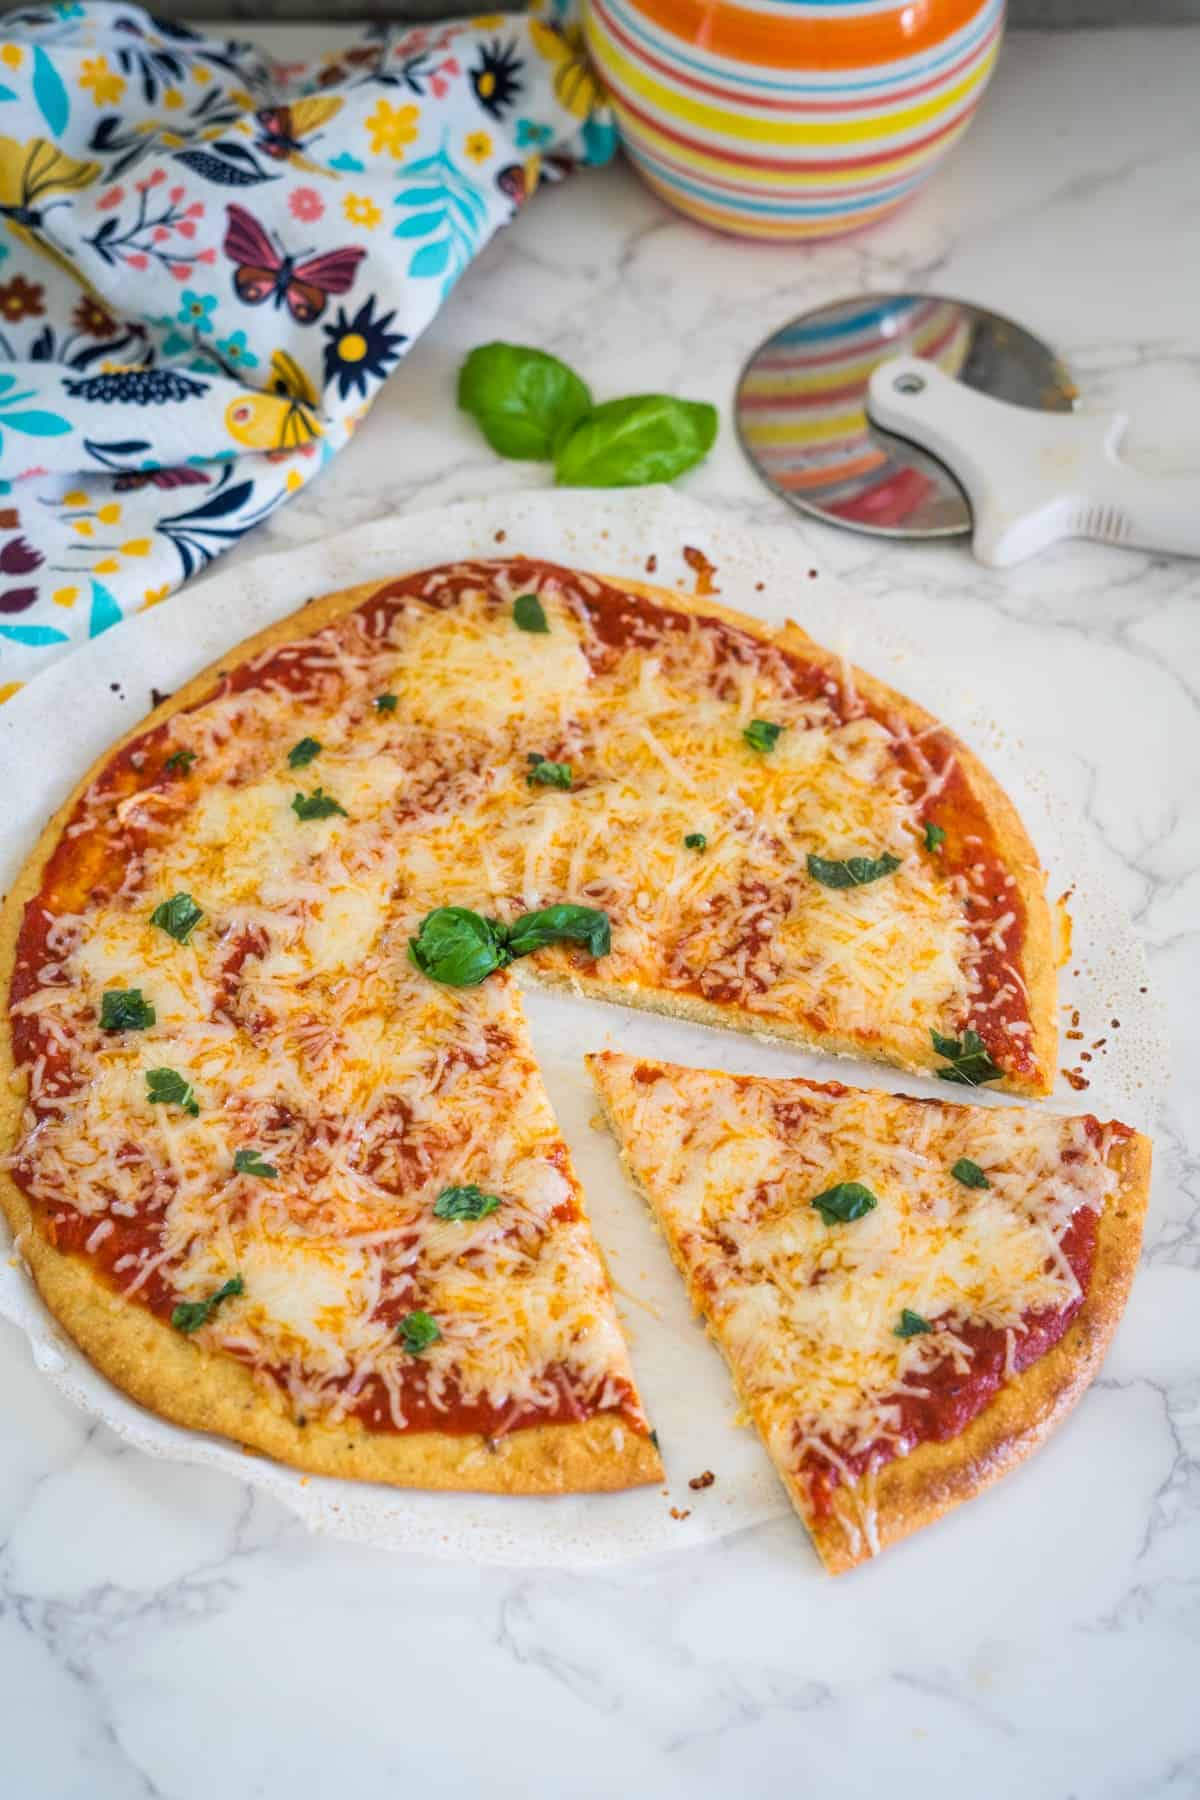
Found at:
<point>209,264</point>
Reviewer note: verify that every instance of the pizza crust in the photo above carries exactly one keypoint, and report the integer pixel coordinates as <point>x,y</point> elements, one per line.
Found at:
<point>206,1390</point>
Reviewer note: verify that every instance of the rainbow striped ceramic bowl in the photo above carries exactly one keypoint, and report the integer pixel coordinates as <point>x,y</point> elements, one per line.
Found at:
<point>791,118</point>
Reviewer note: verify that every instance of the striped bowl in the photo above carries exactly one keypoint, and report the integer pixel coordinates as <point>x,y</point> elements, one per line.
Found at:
<point>791,118</point>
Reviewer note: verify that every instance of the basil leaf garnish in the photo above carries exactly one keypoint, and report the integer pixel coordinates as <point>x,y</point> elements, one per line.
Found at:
<point>124,1009</point>
<point>695,840</point>
<point>562,924</point>
<point>969,1173</point>
<point>417,1331</point>
<point>530,614</point>
<point>853,871</point>
<point>457,946</point>
<point>523,400</point>
<point>385,703</point>
<point>190,1315</point>
<point>181,760</point>
<point>178,917</point>
<point>317,805</point>
<point>935,837</point>
<point>626,443</point>
<point>466,1203</point>
<point>842,1204</point>
<point>548,774</point>
<point>172,1089</point>
<point>461,948</point>
<point>301,754</point>
<point>762,735</point>
<point>970,1064</point>
<point>911,1325</point>
<point>250,1162</point>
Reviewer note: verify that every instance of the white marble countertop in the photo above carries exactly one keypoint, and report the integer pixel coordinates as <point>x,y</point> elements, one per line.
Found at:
<point>164,1633</point>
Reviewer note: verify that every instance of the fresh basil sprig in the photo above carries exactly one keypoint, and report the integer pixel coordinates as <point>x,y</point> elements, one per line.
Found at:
<point>317,805</point>
<point>249,1161</point>
<point>461,948</point>
<point>530,615</point>
<point>190,1315</point>
<point>853,871</point>
<point>911,1325</point>
<point>417,1331</point>
<point>530,405</point>
<point>301,754</point>
<point>180,760</point>
<point>126,1009</point>
<point>969,1173</point>
<point>178,917</point>
<point>842,1204</point>
<point>523,400</point>
<point>169,1087</point>
<point>968,1060</point>
<point>548,774</point>
<point>935,837</point>
<point>465,1203</point>
<point>627,443</point>
<point>763,735</point>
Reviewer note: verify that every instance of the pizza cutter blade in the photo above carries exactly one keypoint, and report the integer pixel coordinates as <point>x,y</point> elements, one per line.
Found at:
<point>918,416</point>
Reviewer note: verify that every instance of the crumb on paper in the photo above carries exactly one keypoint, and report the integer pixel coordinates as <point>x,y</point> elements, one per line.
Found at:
<point>681,1512</point>
<point>651,564</point>
<point>702,1481</point>
<point>705,570</point>
<point>1064,927</point>
<point>1077,1081</point>
<point>500,536</point>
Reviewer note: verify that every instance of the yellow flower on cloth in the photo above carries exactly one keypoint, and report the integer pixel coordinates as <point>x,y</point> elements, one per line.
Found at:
<point>575,86</point>
<point>360,209</point>
<point>105,84</point>
<point>478,146</point>
<point>392,128</point>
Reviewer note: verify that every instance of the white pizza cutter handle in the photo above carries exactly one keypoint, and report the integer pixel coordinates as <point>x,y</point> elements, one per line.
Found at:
<point>1034,477</point>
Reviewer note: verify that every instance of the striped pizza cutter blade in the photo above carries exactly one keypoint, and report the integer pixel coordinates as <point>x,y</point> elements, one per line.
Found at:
<point>801,407</point>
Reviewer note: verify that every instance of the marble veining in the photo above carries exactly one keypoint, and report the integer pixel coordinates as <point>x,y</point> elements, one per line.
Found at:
<point>166,1633</point>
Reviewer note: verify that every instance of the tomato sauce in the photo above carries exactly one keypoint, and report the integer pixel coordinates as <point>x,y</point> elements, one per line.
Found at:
<point>955,1397</point>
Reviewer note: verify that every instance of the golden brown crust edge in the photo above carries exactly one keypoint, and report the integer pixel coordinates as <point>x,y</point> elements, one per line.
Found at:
<point>917,1489</point>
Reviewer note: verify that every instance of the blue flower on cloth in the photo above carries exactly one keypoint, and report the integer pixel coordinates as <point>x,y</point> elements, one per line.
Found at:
<point>211,262</point>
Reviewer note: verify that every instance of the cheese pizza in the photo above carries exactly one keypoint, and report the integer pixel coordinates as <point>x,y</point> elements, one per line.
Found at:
<point>278,1153</point>
<point>909,1293</point>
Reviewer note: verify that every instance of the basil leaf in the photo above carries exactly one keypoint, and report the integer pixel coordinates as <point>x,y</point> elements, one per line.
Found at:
<point>250,1162</point>
<point>417,1331</point>
<point>627,443</point>
<point>935,837</point>
<point>457,946</point>
<point>970,1064</point>
<point>190,1315</point>
<point>855,871</point>
<point>548,774</point>
<point>124,1009</point>
<point>762,736</point>
<point>467,1203</point>
<point>695,840</point>
<point>178,917</point>
<point>301,754</point>
<point>317,805</point>
<point>842,1204</point>
<point>529,614</point>
<point>969,1173</point>
<point>171,1088</point>
<point>181,760</point>
<point>911,1325</point>
<point>523,400</point>
<point>562,924</point>
<point>385,703</point>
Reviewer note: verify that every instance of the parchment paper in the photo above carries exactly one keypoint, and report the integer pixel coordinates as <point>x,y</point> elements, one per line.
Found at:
<point>50,733</point>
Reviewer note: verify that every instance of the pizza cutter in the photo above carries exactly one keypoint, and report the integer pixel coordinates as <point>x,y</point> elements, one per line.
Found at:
<point>915,416</point>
